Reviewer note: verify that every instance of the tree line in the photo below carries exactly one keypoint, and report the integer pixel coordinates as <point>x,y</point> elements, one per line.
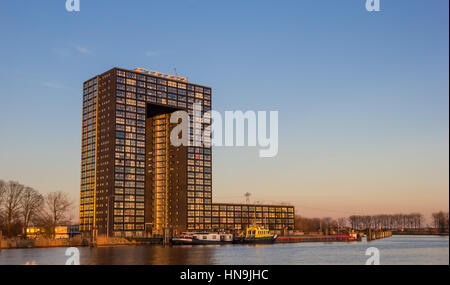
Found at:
<point>415,221</point>
<point>388,222</point>
<point>22,207</point>
<point>320,224</point>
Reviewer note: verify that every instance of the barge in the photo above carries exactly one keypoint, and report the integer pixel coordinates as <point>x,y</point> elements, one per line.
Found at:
<point>190,238</point>
<point>319,238</point>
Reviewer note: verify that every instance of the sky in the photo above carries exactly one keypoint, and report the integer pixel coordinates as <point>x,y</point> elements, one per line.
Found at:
<point>363,97</point>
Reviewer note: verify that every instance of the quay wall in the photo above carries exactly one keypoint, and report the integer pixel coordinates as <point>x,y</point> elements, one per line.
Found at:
<point>373,235</point>
<point>72,242</point>
<point>31,243</point>
<point>314,238</point>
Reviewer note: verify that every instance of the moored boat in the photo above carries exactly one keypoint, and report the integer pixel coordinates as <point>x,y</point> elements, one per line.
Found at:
<point>255,234</point>
<point>184,238</point>
<point>202,238</point>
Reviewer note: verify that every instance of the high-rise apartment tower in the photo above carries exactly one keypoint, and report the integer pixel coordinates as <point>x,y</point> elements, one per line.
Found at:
<point>134,182</point>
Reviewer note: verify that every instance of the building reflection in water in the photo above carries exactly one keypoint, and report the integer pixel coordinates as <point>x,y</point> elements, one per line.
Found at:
<point>148,255</point>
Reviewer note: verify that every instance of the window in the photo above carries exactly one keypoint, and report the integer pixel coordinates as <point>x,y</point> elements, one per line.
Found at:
<point>131,75</point>
<point>131,82</point>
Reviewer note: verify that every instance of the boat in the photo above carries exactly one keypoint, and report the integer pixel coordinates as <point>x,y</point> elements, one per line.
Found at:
<point>255,234</point>
<point>192,238</point>
<point>184,238</point>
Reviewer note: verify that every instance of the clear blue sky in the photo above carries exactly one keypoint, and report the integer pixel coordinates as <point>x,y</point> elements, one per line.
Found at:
<point>362,97</point>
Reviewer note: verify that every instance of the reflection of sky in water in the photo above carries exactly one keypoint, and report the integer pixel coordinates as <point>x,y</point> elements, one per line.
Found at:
<point>395,250</point>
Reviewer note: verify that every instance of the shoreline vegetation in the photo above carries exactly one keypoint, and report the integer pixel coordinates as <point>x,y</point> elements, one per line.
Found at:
<point>23,207</point>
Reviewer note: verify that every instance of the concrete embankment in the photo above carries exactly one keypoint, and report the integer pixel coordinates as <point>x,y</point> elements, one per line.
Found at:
<point>418,233</point>
<point>373,235</point>
<point>74,242</point>
<point>108,241</point>
<point>31,243</point>
<point>314,238</point>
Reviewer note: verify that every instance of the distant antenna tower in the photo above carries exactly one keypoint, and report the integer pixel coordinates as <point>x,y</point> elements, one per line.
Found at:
<point>247,197</point>
<point>175,70</point>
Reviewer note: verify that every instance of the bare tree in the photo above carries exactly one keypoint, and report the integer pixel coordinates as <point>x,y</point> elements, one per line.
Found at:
<point>55,210</point>
<point>341,223</point>
<point>327,224</point>
<point>2,191</point>
<point>2,196</point>
<point>30,203</point>
<point>396,221</point>
<point>12,197</point>
<point>440,220</point>
<point>352,220</point>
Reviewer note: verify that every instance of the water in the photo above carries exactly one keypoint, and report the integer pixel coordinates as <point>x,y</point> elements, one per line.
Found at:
<point>393,250</point>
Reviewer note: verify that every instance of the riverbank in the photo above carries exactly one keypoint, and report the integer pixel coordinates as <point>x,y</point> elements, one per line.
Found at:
<point>421,233</point>
<point>39,243</point>
<point>406,250</point>
<point>108,241</point>
<point>72,242</point>
<point>315,238</point>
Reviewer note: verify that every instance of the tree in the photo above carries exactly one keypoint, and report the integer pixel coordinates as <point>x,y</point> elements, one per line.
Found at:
<point>352,219</point>
<point>12,196</point>
<point>327,224</point>
<point>440,220</point>
<point>55,210</point>
<point>342,223</point>
<point>2,195</point>
<point>30,203</point>
<point>2,191</point>
<point>396,221</point>
<point>416,220</point>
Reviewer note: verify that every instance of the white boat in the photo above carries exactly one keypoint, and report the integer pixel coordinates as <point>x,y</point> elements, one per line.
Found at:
<point>202,238</point>
<point>184,238</point>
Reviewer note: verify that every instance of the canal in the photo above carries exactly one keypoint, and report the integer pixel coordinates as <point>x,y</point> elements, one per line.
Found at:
<point>393,250</point>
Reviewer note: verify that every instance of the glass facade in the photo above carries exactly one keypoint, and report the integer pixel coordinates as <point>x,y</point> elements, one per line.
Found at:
<point>159,159</point>
<point>129,164</point>
<point>238,216</point>
<point>88,155</point>
<point>199,194</point>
